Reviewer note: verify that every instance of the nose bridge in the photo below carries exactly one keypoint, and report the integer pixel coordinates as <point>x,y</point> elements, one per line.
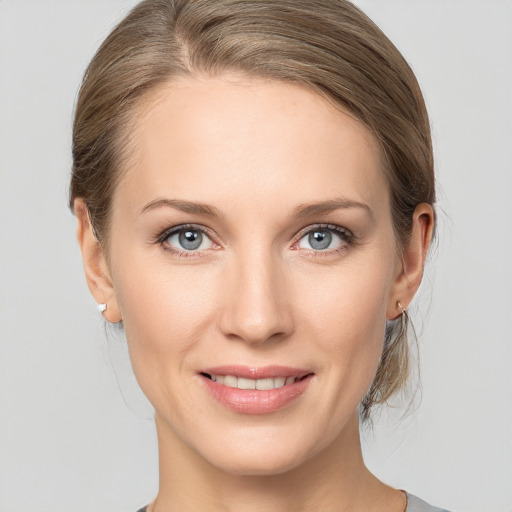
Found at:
<point>257,308</point>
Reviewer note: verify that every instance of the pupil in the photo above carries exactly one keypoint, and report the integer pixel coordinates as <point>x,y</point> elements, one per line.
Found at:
<point>320,239</point>
<point>190,240</point>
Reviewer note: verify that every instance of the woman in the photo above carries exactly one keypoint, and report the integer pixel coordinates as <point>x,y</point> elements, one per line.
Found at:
<point>254,188</point>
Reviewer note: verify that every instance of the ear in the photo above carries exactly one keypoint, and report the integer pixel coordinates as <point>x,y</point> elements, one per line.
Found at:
<point>410,271</point>
<point>95,264</point>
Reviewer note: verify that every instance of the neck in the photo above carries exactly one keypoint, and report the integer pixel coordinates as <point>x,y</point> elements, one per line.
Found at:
<point>334,480</point>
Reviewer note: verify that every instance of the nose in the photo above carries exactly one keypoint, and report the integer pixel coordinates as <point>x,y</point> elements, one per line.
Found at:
<point>256,303</point>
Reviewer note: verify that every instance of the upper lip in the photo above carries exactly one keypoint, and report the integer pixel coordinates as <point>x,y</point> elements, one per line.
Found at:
<point>262,372</point>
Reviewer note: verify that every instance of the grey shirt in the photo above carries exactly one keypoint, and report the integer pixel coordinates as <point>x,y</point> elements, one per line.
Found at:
<point>413,505</point>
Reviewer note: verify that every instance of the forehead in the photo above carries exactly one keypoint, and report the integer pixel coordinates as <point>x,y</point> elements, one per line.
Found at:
<point>249,141</point>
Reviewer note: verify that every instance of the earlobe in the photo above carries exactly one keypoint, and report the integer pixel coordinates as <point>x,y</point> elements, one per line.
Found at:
<point>95,265</point>
<point>408,278</point>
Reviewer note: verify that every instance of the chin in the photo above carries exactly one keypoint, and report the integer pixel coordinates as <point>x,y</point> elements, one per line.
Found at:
<point>259,457</point>
<point>259,465</point>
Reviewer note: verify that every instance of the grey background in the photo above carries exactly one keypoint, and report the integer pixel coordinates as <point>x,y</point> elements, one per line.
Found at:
<point>76,434</point>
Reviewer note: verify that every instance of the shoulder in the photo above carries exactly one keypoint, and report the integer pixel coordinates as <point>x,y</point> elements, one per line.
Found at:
<point>414,504</point>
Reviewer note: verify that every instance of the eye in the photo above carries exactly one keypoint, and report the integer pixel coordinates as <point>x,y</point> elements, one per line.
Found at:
<point>325,238</point>
<point>187,239</point>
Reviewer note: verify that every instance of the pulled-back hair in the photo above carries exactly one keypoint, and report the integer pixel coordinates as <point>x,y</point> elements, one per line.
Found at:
<point>327,46</point>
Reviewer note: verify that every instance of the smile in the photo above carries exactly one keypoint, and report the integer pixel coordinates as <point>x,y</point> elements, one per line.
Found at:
<point>232,381</point>
<point>255,390</point>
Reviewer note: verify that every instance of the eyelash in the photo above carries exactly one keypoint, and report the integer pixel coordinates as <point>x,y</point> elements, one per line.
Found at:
<point>346,236</point>
<point>183,253</point>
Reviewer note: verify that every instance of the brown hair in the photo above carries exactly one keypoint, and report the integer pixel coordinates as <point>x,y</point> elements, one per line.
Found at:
<point>328,46</point>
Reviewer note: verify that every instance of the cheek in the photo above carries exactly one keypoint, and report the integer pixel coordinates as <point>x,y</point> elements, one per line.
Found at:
<point>346,316</point>
<point>163,309</point>
<point>351,300</point>
<point>167,312</point>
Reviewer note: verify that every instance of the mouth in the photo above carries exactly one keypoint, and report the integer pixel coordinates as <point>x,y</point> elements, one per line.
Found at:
<point>264,384</point>
<point>255,390</point>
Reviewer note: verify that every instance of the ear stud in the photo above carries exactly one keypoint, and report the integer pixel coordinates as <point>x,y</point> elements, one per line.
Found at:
<point>400,307</point>
<point>102,308</point>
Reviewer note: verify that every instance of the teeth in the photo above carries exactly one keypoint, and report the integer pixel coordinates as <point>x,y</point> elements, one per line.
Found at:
<point>279,382</point>
<point>262,384</point>
<point>230,381</point>
<point>246,383</point>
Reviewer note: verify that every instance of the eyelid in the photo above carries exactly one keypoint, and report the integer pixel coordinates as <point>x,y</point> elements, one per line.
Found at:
<point>343,232</point>
<point>183,253</point>
<point>347,236</point>
<point>180,227</point>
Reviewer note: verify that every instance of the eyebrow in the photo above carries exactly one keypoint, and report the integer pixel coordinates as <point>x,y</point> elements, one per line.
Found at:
<point>184,206</point>
<point>322,207</point>
<point>300,211</point>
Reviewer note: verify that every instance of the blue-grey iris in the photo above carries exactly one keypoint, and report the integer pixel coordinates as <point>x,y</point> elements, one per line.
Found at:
<point>190,240</point>
<point>320,239</point>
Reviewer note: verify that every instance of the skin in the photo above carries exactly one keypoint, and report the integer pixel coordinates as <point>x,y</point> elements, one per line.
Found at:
<point>256,292</point>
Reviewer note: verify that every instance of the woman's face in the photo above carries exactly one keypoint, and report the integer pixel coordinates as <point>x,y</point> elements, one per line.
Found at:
<point>252,247</point>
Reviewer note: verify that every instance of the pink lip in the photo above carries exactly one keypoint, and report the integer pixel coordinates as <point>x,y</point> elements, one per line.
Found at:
<point>254,401</point>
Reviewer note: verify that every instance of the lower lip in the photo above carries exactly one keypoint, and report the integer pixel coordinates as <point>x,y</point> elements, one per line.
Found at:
<point>254,401</point>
